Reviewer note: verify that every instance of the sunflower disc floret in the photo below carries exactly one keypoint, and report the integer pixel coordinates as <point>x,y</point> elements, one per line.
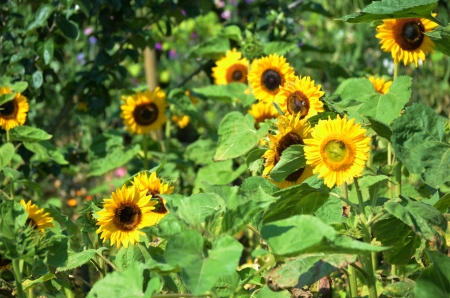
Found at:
<point>338,150</point>
<point>128,211</point>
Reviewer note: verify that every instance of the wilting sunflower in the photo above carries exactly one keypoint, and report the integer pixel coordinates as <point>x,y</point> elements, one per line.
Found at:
<point>381,85</point>
<point>405,39</point>
<point>292,131</point>
<point>153,186</point>
<point>262,111</point>
<point>268,74</point>
<point>338,150</point>
<point>37,219</point>
<point>13,112</point>
<point>300,96</point>
<point>231,68</point>
<point>4,263</point>
<point>144,111</point>
<point>124,215</point>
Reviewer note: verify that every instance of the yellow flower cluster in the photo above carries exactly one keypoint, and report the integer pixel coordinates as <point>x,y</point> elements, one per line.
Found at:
<point>132,208</point>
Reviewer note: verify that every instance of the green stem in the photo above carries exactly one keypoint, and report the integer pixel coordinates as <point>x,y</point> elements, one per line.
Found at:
<point>254,230</point>
<point>167,136</point>
<point>395,70</point>
<point>108,262</point>
<point>393,270</point>
<point>367,260</point>
<point>243,283</point>
<point>30,290</point>
<point>99,269</point>
<point>10,165</point>
<point>17,277</point>
<point>398,180</point>
<point>353,284</point>
<point>145,148</point>
<point>389,160</point>
<point>345,201</point>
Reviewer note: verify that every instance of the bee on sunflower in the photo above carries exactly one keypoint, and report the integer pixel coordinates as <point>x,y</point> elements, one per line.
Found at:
<point>231,68</point>
<point>14,112</point>
<point>37,219</point>
<point>124,215</point>
<point>267,74</point>
<point>406,39</point>
<point>300,96</point>
<point>291,131</point>
<point>337,150</point>
<point>381,85</point>
<point>144,111</point>
<point>153,186</point>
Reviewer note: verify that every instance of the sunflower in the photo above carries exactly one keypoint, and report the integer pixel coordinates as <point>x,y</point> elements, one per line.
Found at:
<point>300,96</point>
<point>13,112</point>
<point>292,131</point>
<point>405,39</point>
<point>381,85</point>
<point>128,211</point>
<point>338,150</point>
<point>144,111</point>
<point>268,74</point>
<point>180,121</point>
<point>154,187</point>
<point>231,68</point>
<point>262,111</point>
<point>37,219</point>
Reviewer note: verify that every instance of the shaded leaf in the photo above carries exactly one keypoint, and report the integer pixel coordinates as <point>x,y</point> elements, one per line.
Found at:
<point>291,160</point>
<point>28,134</point>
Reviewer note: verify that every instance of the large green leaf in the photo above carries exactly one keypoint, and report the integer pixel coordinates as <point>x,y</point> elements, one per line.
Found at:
<point>305,234</point>
<point>41,16</point>
<point>402,241</point>
<point>46,151</point>
<point>107,153</point>
<point>393,9</point>
<point>425,220</point>
<point>401,289</point>
<point>133,253</point>
<point>298,199</point>
<point>128,283</point>
<point>80,258</point>
<point>68,28</point>
<point>201,270</point>
<point>6,154</point>
<point>359,98</point>
<point>237,135</point>
<point>435,280</point>
<point>441,39</point>
<point>213,47</point>
<point>220,172</point>
<point>306,270</point>
<point>278,47</point>
<point>419,142</point>
<point>29,134</point>
<point>291,160</point>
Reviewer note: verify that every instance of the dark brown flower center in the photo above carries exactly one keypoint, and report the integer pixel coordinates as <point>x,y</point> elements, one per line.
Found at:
<point>297,102</point>
<point>127,217</point>
<point>237,73</point>
<point>145,114</point>
<point>408,33</point>
<point>8,110</point>
<point>271,79</point>
<point>160,208</point>
<point>287,140</point>
<point>32,223</point>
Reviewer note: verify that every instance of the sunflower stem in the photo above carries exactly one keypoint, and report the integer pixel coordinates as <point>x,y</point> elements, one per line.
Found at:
<point>398,180</point>
<point>8,139</point>
<point>145,148</point>
<point>353,283</point>
<point>108,262</point>
<point>18,278</point>
<point>367,260</point>
<point>167,136</point>
<point>389,160</point>
<point>99,269</point>
<point>395,70</point>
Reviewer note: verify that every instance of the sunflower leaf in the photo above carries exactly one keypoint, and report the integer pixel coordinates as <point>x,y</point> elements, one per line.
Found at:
<point>237,135</point>
<point>393,9</point>
<point>4,98</point>
<point>6,154</point>
<point>292,159</point>
<point>303,234</point>
<point>434,281</point>
<point>420,143</point>
<point>199,270</point>
<point>29,134</point>
<point>441,39</point>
